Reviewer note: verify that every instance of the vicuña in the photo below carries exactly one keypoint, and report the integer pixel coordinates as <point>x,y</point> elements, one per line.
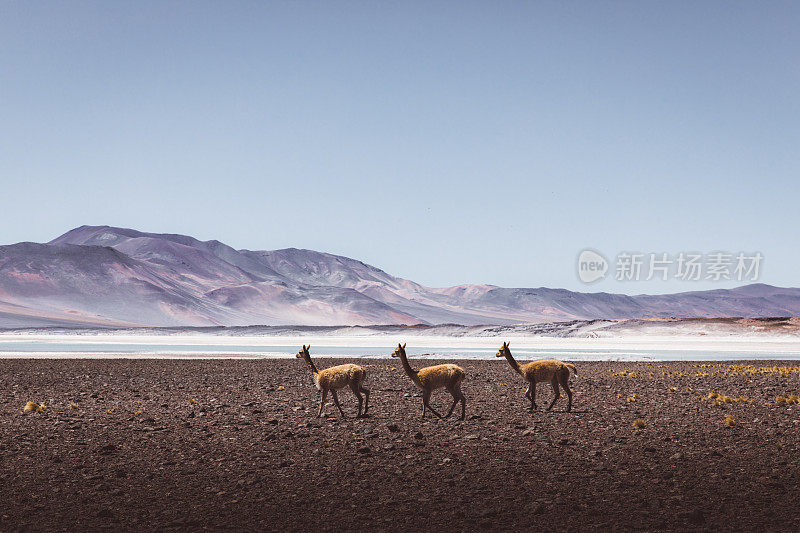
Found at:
<point>543,370</point>
<point>434,377</point>
<point>337,377</point>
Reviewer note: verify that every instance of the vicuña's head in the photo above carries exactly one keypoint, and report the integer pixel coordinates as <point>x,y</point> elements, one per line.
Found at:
<point>400,349</point>
<point>303,353</point>
<point>503,350</point>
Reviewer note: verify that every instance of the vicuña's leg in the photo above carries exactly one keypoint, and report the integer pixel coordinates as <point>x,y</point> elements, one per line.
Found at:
<point>456,398</point>
<point>463,402</point>
<point>426,397</point>
<point>336,401</point>
<point>366,399</point>
<point>531,394</point>
<point>322,394</point>
<point>556,394</point>
<point>565,384</point>
<point>354,387</point>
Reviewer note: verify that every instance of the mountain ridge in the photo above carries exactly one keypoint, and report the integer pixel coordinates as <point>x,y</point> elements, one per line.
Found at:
<point>106,275</point>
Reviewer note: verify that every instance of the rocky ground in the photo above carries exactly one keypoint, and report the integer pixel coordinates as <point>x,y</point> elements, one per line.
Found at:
<point>187,445</point>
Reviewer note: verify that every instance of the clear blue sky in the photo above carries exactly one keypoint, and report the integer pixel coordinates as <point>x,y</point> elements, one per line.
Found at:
<point>445,142</point>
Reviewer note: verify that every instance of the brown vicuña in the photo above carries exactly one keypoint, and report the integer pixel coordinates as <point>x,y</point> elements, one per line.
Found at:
<point>543,370</point>
<point>435,377</point>
<point>337,377</point>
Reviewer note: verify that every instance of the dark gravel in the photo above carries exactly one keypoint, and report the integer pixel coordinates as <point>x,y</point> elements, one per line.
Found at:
<point>138,454</point>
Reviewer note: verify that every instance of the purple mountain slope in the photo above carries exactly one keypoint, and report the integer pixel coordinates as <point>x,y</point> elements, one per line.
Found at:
<point>101,275</point>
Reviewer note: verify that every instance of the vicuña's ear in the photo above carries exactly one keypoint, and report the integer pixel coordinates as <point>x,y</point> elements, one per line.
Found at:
<point>308,347</point>
<point>404,345</point>
<point>508,344</point>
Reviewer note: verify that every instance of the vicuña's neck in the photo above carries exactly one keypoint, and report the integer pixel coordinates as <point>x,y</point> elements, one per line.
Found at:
<point>311,366</point>
<point>407,367</point>
<point>512,362</point>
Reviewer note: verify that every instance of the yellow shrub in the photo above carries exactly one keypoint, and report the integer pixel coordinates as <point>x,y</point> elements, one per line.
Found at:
<point>33,407</point>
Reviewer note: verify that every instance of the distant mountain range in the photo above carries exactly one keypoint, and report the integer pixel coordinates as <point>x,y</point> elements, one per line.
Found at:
<point>106,276</point>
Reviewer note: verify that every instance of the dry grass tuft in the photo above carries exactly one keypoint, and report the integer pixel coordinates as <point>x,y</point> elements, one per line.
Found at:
<point>74,406</point>
<point>730,421</point>
<point>721,400</point>
<point>633,398</point>
<point>791,399</point>
<point>639,424</point>
<point>192,401</point>
<point>281,388</point>
<point>33,407</point>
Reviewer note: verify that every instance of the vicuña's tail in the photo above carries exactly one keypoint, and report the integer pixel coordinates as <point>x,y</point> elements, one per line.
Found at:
<point>571,367</point>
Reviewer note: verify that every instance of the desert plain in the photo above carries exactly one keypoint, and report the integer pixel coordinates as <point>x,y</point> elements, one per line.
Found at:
<point>190,445</point>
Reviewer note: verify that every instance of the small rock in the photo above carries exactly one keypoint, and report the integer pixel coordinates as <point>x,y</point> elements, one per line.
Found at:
<point>107,449</point>
<point>527,432</point>
<point>695,517</point>
<point>418,435</point>
<point>394,428</point>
